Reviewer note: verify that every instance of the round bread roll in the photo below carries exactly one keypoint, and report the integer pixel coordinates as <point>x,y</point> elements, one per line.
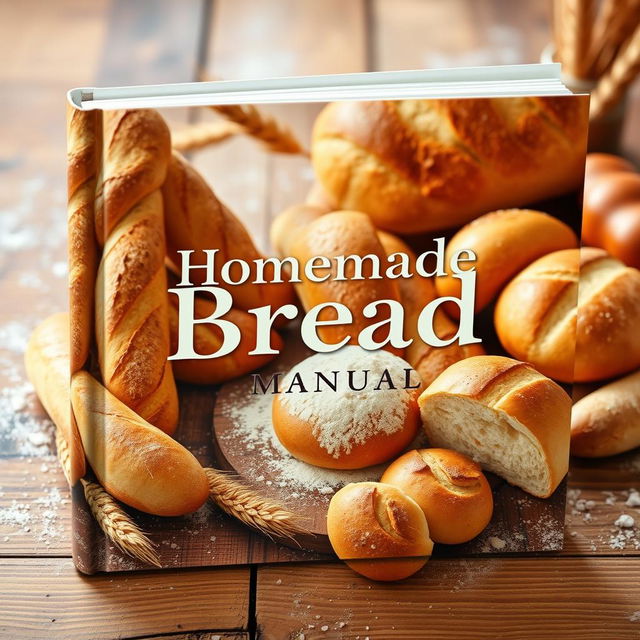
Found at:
<point>506,416</point>
<point>537,320</point>
<point>598,164</point>
<point>504,243</point>
<point>379,531</point>
<point>362,422</point>
<point>449,487</point>
<point>607,421</point>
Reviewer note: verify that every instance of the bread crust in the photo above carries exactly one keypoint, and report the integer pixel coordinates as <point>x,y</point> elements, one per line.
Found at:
<point>606,422</point>
<point>378,530</point>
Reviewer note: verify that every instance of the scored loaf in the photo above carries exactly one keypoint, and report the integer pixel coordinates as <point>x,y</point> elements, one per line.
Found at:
<point>422,165</point>
<point>506,416</point>
<point>607,421</point>
<point>132,315</point>
<point>47,360</point>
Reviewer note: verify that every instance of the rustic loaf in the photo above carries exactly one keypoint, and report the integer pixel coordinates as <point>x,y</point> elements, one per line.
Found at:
<point>421,165</point>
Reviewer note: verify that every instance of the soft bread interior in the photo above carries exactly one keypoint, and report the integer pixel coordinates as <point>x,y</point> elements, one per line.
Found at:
<point>491,437</point>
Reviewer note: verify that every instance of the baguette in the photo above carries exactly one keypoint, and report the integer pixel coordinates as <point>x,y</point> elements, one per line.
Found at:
<point>606,422</point>
<point>84,132</point>
<point>47,360</point>
<point>132,315</point>
<point>134,461</point>
<point>506,416</point>
<point>423,165</point>
<point>504,243</point>
<point>195,219</point>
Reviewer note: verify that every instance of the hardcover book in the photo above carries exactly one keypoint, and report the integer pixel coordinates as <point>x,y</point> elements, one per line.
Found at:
<point>378,371</point>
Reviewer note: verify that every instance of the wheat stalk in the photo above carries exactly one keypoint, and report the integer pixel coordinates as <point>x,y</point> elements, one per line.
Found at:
<point>274,135</point>
<point>117,525</point>
<point>203,134</point>
<point>251,508</point>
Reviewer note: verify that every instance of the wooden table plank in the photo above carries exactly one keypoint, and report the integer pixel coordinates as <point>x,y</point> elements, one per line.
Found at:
<point>518,598</point>
<point>49,599</point>
<point>207,635</point>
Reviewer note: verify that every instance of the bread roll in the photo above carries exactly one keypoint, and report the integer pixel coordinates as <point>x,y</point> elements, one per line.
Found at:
<point>289,223</point>
<point>504,415</point>
<point>415,293</point>
<point>208,339</point>
<point>84,142</point>
<point>597,164</point>
<point>504,243</point>
<point>134,461</point>
<point>197,220</point>
<point>370,416</point>
<point>607,421</point>
<point>318,197</point>
<point>379,531</point>
<point>132,310</point>
<point>449,487</point>
<point>421,165</point>
<point>537,320</point>
<point>621,234</point>
<point>47,363</point>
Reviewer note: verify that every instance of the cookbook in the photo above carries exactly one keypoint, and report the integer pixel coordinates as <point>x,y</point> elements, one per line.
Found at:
<point>378,371</point>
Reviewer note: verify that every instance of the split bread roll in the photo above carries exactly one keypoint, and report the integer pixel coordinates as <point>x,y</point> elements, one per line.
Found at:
<point>574,302</point>
<point>421,165</point>
<point>607,421</point>
<point>196,220</point>
<point>449,487</point>
<point>134,461</point>
<point>504,415</point>
<point>47,359</point>
<point>370,417</point>
<point>504,242</point>
<point>132,310</point>
<point>379,531</point>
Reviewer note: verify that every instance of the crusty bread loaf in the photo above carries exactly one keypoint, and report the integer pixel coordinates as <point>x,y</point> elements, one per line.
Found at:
<point>504,243</point>
<point>318,197</point>
<point>132,315</point>
<point>449,487</point>
<point>84,133</point>
<point>537,319</point>
<point>288,224</point>
<point>339,427</point>
<point>196,220</point>
<point>420,165</point>
<point>134,461</point>
<point>208,339</point>
<point>378,530</point>
<point>504,415</point>
<point>607,421</point>
<point>47,359</point>
<point>415,293</point>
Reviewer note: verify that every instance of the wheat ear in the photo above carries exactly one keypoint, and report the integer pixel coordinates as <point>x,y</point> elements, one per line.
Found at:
<point>265,128</point>
<point>204,134</point>
<point>249,507</point>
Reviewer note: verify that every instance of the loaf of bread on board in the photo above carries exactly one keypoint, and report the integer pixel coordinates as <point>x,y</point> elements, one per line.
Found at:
<point>197,220</point>
<point>134,461</point>
<point>607,421</point>
<point>504,242</point>
<point>47,360</point>
<point>504,415</point>
<point>132,309</point>
<point>574,315</point>
<point>379,531</point>
<point>422,165</point>
<point>84,147</point>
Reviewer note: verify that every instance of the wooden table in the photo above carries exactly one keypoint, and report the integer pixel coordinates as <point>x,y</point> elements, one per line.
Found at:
<point>590,590</point>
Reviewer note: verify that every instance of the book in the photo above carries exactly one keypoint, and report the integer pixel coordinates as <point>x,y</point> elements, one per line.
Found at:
<point>378,372</point>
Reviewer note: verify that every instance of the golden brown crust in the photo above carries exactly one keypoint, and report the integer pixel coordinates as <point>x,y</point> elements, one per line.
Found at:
<point>504,243</point>
<point>47,363</point>
<point>606,422</point>
<point>134,461</point>
<point>84,132</point>
<point>420,165</point>
<point>380,531</point>
<point>449,487</point>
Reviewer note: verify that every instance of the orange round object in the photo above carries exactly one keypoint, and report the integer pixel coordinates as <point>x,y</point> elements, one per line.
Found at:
<point>621,234</point>
<point>600,163</point>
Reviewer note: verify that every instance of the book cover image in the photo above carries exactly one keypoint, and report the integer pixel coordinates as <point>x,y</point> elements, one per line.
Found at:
<point>392,379</point>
